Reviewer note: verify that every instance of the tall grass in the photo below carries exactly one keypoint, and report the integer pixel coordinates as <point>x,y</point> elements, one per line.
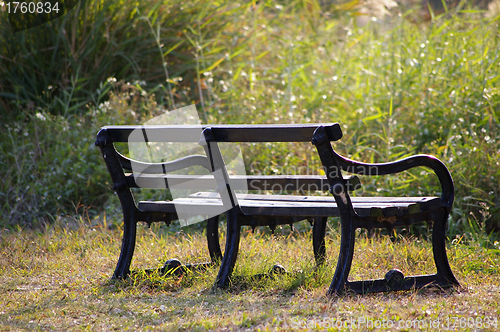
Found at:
<point>397,87</point>
<point>62,66</point>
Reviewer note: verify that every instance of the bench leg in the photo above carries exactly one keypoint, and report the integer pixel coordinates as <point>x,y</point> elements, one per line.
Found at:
<point>231,251</point>
<point>122,269</point>
<point>348,232</point>
<point>444,274</point>
<point>319,247</point>
<point>129,209</point>
<point>213,239</point>
<point>394,280</point>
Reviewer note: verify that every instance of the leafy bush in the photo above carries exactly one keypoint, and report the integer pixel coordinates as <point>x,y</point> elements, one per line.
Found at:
<point>50,165</point>
<point>397,87</point>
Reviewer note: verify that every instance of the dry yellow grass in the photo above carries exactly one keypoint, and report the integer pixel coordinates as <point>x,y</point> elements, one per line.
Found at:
<point>59,279</point>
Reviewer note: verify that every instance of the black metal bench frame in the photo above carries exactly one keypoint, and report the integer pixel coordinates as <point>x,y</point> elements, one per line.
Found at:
<point>351,220</point>
<point>365,213</point>
<point>155,175</point>
<point>273,210</point>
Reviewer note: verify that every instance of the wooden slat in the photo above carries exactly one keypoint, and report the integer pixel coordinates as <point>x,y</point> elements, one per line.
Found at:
<point>222,133</point>
<point>302,206</point>
<point>297,198</point>
<point>191,207</point>
<point>363,208</point>
<point>187,133</point>
<point>155,181</point>
<point>238,182</point>
<point>273,133</point>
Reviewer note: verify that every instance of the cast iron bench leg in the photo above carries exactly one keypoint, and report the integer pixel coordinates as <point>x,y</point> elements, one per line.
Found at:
<point>347,215</point>
<point>319,247</point>
<point>126,200</point>
<point>128,245</point>
<point>231,251</point>
<point>213,239</point>
<point>444,274</point>
<point>348,232</point>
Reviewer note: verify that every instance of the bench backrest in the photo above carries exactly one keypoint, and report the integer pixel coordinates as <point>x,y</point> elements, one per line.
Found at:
<point>145,174</point>
<point>156,174</point>
<point>253,133</point>
<point>222,133</point>
<point>191,134</point>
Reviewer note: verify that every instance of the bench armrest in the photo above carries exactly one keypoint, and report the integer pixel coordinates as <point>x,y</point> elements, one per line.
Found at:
<point>421,160</point>
<point>334,163</point>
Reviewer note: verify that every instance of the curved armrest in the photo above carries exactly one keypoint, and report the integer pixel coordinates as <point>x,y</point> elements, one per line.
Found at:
<point>444,176</point>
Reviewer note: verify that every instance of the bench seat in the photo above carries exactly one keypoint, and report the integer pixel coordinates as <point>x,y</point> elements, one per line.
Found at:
<point>382,208</point>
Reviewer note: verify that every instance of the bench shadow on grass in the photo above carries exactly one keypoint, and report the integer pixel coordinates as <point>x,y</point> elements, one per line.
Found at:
<point>173,277</point>
<point>186,276</point>
<point>276,279</point>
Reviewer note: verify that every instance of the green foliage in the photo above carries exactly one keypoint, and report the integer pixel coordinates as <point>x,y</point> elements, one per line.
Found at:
<point>49,163</point>
<point>63,65</point>
<point>397,87</point>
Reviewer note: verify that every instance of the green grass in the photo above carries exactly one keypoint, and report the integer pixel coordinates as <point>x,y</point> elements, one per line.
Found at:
<point>59,279</point>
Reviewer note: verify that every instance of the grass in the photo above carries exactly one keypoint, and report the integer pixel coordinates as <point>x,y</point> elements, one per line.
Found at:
<point>59,279</point>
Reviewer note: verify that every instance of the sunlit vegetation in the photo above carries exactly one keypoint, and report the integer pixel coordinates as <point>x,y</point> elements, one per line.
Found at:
<point>58,278</point>
<point>397,87</point>
<point>399,84</point>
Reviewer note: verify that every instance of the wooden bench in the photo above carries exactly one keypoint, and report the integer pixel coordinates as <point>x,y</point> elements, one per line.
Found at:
<point>273,210</point>
<point>358,212</point>
<point>159,176</point>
